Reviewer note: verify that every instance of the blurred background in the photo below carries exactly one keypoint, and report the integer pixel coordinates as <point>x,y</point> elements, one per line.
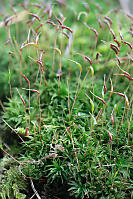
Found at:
<point>126,5</point>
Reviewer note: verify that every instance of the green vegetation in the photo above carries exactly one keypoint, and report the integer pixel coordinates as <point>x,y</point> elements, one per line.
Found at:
<point>67,101</point>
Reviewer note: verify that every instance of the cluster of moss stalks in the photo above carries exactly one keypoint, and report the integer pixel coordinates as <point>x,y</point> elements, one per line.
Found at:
<point>66,101</point>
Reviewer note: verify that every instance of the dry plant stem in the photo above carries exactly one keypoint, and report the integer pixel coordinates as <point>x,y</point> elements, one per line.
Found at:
<point>10,155</point>
<point>56,33</point>
<point>17,134</point>
<point>2,106</point>
<point>32,196</point>
<point>33,188</point>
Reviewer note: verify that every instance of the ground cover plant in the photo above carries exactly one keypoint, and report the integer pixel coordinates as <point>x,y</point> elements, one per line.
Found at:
<point>69,104</point>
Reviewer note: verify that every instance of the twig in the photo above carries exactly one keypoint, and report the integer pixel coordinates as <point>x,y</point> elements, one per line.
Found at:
<point>16,133</point>
<point>10,156</point>
<point>33,196</point>
<point>35,191</point>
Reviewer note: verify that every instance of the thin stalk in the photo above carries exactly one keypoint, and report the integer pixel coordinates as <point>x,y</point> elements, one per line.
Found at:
<point>20,68</point>
<point>43,71</point>
<point>92,87</point>
<point>78,91</point>
<point>123,117</point>
<point>88,143</point>
<point>29,105</point>
<point>130,125</point>
<point>27,80</point>
<point>72,43</point>
<point>68,99</point>
<point>104,111</point>
<point>10,84</point>
<point>110,150</point>
<point>23,104</point>
<point>33,188</point>
<point>116,126</point>
<point>56,33</point>
<point>61,44</point>
<point>40,114</point>
<point>76,95</point>
<point>60,69</point>
<point>10,156</point>
<point>2,106</point>
<point>10,89</point>
<point>74,149</point>
<point>17,134</point>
